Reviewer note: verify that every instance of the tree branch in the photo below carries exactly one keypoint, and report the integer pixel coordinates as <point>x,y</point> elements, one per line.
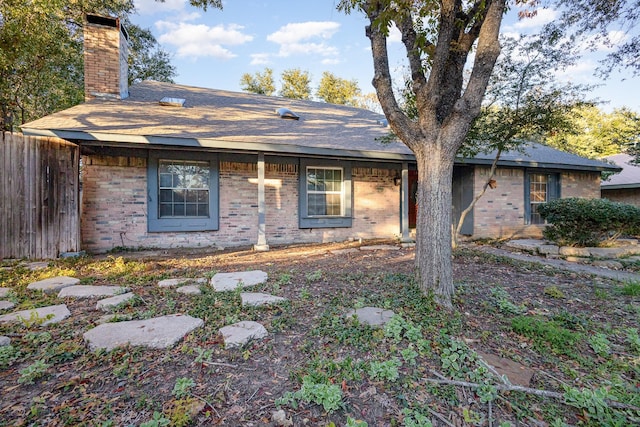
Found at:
<point>528,390</point>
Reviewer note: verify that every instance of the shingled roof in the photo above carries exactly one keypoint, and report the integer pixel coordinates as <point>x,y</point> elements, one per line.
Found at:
<point>242,122</point>
<point>628,178</point>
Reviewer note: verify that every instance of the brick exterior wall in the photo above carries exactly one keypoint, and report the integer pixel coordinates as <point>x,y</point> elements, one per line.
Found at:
<point>580,184</point>
<point>114,207</point>
<point>105,61</point>
<point>500,213</point>
<point>629,196</point>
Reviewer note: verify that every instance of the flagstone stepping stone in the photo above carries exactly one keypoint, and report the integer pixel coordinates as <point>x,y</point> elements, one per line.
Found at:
<point>4,341</point>
<point>344,251</point>
<point>515,372</point>
<point>38,265</point>
<point>48,315</point>
<point>231,281</point>
<point>240,333</point>
<point>90,291</point>
<point>255,299</point>
<point>372,316</point>
<point>189,290</point>
<point>158,332</point>
<point>172,283</point>
<point>380,248</point>
<point>6,305</point>
<point>108,304</point>
<point>53,284</point>
<point>4,292</point>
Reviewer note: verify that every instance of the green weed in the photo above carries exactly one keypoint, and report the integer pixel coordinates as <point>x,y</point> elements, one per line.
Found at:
<point>8,355</point>
<point>182,387</point>
<point>504,304</point>
<point>554,292</point>
<point>384,371</point>
<point>32,372</point>
<point>327,395</point>
<point>600,344</point>
<point>158,420</point>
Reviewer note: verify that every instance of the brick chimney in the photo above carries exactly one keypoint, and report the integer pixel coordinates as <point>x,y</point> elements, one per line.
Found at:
<point>106,50</point>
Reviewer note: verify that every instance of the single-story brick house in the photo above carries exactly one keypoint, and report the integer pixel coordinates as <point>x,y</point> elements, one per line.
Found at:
<point>166,165</point>
<point>623,187</point>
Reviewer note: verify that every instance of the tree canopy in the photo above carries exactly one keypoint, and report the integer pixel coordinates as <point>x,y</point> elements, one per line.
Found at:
<point>260,83</point>
<point>336,90</point>
<point>296,84</point>
<point>41,62</point>
<point>597,134</point>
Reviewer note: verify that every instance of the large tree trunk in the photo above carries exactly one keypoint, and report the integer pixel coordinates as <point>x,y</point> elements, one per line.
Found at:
<point>433,231</point>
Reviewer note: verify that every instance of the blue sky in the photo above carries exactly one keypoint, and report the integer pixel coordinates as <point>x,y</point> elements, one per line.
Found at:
<point>214,48</point>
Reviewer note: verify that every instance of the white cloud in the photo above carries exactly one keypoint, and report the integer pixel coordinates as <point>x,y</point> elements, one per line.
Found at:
<point>200,40</point>
<point>330,61</point>
<point>395,36</point>
<point>302,39</point>
<point>542,17</point>
<point>149,7</point>
<point>260,59</point>
<point>293,33</point>
<point>321,49</point>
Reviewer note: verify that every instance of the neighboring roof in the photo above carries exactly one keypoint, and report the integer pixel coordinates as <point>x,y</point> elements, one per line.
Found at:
<point>628,178</point>
<point>243,122</point>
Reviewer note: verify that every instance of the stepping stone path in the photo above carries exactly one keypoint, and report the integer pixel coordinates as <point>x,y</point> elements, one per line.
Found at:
<point>4,341</point>
<point>189,290</point>
<point>108,304</point>
<point>89,291</point>
<point>159,332</point>
<point>255,299</point>
<point>6,305</point>
<point>4,292</point>
<point>240,333</point>
<point>230,281</point>
<point>57,313</point>
<point>53,284</point>
<point>172,283</point>
<point>371,316</point>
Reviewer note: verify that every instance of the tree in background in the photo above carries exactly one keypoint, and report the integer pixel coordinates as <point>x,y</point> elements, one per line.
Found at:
<point>260,83</point>
<point>597,134</point>
<point>41,62</point>
<point>438,38</point>
<point>147,61</point>
<point>296,84</point>
<point>336,90</point>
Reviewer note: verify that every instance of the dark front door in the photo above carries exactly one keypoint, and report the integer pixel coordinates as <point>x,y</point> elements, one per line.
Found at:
<point>413,194</point>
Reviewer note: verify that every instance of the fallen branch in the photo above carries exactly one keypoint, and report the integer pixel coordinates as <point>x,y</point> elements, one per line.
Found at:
<point>528,390</point>
<point>227,365</point>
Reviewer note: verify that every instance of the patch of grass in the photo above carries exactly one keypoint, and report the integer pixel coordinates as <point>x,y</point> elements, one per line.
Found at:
<point>547,333</point>
<point>631,289</point>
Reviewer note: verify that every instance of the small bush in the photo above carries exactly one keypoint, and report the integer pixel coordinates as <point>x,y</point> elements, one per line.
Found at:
<point>587,222</point>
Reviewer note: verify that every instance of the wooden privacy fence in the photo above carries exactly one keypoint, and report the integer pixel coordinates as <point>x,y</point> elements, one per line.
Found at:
<point>39,191</point>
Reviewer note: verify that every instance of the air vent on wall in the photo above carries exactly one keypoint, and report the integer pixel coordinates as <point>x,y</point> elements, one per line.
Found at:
<point>172,102</point>
<point>285,113</point>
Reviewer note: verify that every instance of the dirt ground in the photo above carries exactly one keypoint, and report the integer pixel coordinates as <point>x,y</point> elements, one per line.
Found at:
<point>310,337</point>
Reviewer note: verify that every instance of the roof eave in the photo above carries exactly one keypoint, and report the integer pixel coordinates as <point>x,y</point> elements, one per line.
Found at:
<point>93,138</point>
<point>619,186</point>
<point>539,165</point>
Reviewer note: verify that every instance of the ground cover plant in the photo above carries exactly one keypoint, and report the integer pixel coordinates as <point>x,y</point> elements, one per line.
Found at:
<point>320,367</point>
